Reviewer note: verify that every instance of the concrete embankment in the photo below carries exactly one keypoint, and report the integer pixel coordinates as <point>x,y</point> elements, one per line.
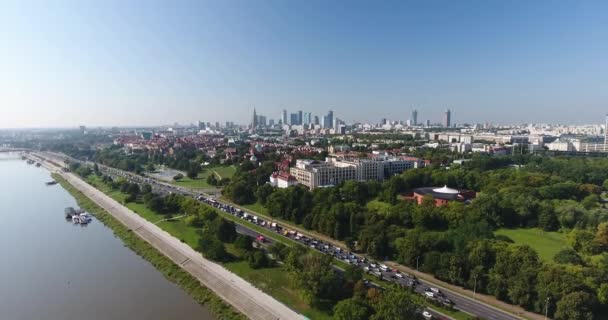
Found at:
<point>243,296</point>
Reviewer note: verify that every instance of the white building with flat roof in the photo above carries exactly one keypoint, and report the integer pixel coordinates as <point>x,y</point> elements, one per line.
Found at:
<point>333,171</point>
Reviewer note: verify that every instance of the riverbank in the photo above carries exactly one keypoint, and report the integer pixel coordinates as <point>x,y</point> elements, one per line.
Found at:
<point>170,270</point>
<point>240,294</point>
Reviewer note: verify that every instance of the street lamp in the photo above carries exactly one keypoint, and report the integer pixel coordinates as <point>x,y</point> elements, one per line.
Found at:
<point>475,285</point>
<point>547,307</point>
<point>418,257</point>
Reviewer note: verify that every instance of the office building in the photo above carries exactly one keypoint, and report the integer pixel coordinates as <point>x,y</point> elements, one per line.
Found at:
<point>307,118</point>
<point>328,120</point>
<point>284,119</point>
<point>414,118</point>
<point>316,122</point>
<point>261,121</point>
<point>300,117</point>
<point>333,171</point>
<point>447,118</point>
<point>293,119</point>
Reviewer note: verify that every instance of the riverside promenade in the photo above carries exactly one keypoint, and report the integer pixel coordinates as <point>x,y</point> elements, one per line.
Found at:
<point>239,293</point>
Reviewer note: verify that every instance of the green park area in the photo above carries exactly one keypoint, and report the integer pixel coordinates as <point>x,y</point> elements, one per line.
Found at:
<point>546,244</point>
<point>200,182</point>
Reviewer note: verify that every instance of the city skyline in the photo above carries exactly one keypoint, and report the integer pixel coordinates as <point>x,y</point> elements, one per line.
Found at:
<point>487,62</point>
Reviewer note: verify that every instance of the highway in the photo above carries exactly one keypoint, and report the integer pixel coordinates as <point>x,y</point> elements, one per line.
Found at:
<point>441,295</point>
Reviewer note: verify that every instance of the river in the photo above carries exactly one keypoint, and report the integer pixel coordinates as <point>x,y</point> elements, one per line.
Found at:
<point>52,269</point>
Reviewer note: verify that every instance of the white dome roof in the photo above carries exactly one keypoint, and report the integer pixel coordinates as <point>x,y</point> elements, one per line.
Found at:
<point>447,190</point>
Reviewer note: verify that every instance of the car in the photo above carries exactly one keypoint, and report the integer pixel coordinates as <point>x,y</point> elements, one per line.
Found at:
<point>429,294</point>
<point>427,315</point>
<point>398,275</point>
<point>435,290</point>
<point>261,238</point>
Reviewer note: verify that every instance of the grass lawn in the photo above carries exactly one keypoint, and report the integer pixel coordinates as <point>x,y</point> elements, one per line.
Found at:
<point>546,244</point>
<point>276,282</point>
<point>201,181</point>
<point>256,207</point>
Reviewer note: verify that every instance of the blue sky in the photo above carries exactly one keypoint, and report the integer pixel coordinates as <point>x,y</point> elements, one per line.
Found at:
<point>64,63</point>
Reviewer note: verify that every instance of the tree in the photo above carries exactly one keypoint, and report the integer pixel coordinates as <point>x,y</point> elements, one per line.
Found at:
<point>146,188</point>
<point>211,247</point>
<point>601,236</point>
<point>223,229</point>
<point>263,193</point>
<point>243,242</point>
<point>193,171</point>
<point>602,293</point>
<point>395,305</point>
<point>575,306</point>
<point>568,255</point>
<point>315,277</point>
<point>212,180</point>
<point>150,167</point>
<point>351,309</point>
<point>258,259</point>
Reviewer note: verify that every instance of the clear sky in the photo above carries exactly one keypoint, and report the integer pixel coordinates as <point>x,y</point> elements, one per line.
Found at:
<point>65,63</point>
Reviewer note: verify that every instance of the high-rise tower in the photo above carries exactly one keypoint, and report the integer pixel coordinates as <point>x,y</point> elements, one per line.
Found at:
<point>414,117</point>
<point>447,118</point>
<point>606,134</point>
<point>254,121</point>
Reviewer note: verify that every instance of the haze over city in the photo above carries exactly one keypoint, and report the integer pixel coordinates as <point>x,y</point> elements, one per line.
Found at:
<point>110,62</point>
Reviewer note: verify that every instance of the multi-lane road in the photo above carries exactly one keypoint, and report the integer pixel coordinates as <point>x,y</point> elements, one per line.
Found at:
<point>431,291</point>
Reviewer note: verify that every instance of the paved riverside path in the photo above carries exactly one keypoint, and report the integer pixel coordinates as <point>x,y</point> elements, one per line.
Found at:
<point>243,296</point>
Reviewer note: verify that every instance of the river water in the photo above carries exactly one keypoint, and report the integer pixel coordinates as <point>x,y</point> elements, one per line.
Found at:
<point>51,269</point>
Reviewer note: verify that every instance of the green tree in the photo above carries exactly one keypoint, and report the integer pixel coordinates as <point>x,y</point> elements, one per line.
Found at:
<point>602,293</point>
<point>211,247</point>
<point>211,179</point>
<point>258,259</point>
<point>150,167</point>
<point>243,242</point>
<point>575,306</point>
<point>351,309</point>
<point>395,305</point>
<point>568,255</point>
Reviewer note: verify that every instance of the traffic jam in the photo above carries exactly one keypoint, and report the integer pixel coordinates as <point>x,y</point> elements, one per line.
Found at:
<point>372,267</point>
<point>381,271</point>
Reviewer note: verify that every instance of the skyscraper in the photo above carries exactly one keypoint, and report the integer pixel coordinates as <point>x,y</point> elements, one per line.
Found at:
<point>284,117</point>
<point>316,122</point>
<point>293,119</point>
<point>414,117</point>
<point>254,121</point>
<point>300,117</point>
<point>307,118</point>
<point>328,120</point>
<point>447,118</point>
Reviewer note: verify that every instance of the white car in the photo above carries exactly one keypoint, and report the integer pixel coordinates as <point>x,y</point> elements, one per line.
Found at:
<point>435,290</point>
<point>429,294</point>
<point>427,315</point>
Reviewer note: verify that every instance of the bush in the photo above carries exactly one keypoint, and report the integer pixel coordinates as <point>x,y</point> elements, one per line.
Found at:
<point>258,259</point>
<point>568,256</point>
<point>243,242</point>
<point>178,177</point>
